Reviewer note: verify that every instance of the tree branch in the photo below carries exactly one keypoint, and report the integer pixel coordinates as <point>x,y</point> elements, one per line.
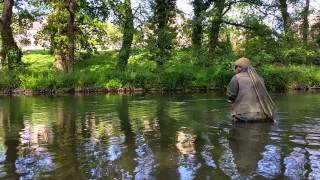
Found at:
<point>239,25</point>
<point>229,5</point>
<point>136,10</point>
<point>116,11</point>
<point>228,9</point>
<point>248,27</point>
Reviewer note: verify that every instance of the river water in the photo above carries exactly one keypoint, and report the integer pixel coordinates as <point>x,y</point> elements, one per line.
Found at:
<point>156,137</point>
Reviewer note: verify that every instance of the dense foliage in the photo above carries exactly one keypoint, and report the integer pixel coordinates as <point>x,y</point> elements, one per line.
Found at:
<point>152,44</point>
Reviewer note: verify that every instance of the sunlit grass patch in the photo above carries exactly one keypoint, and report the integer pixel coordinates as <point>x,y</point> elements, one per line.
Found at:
<point>181,70</point>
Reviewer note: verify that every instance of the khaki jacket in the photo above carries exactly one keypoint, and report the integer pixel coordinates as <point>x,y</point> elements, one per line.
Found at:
<point>242,93</point>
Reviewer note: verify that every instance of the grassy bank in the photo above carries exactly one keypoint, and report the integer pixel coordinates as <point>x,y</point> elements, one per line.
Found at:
<point>181,71</point>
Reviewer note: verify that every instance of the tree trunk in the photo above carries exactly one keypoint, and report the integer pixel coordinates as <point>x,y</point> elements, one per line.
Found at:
<point>285,17</point>
<point>215,27</point>
<point>60,59</point>
<point>64,51</point>
<point>305,24</point>
<point>163,12</point>
<point>122,109</point>
<point>10,51</point>
<point>71,34</point>
<point>2,57</point>
<point>197,27</point>
<point>128,30</point>
<point>162,19</point>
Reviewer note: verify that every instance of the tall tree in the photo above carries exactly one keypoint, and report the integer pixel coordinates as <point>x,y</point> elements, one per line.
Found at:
<point>286,20</point>
<point>197,22</point>
<point>62,22</point>
<point>72,25</point>
<point>128,31</point>
<point>315,31</point>
<point>10,51</point>
<point>71,33</point>
<point>57,23</point>
<point>215,25</point>
<point>199,8</point>
<point>164,11</point>
<point>216,19</point>
<point>305,23</point>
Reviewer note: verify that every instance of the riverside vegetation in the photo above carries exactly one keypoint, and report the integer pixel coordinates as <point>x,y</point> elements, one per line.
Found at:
<point>113,46</point>
<point>98,72</point>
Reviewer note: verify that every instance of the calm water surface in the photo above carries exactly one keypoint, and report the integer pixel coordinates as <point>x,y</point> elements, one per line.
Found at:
<point>155,137</point>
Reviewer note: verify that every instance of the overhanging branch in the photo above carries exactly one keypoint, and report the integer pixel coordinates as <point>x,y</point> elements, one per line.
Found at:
<point>249,27</point>
<point>239,25</point>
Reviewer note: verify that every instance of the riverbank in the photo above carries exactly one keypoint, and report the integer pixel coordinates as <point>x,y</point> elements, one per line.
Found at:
<point>101,90</point>
<point>92,91</point>
<point>98,74</point>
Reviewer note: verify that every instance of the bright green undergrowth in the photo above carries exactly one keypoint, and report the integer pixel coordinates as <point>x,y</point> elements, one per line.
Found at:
<point>180,71</point>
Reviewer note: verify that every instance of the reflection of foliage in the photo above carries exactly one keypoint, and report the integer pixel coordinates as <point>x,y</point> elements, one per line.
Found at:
<point>25,42</point>
<point>38,160</point>
<point>142,115</point>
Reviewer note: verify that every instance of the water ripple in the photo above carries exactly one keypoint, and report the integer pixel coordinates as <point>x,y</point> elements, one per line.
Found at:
<point>269,166</point>
<point>227,161</point>
<point>115,147</point>
<point>187,167</point>
<point>314,162</point>
<point>145,159</point>
<point>34,165</point>
<point>295,164</point>
<point>206,155</point>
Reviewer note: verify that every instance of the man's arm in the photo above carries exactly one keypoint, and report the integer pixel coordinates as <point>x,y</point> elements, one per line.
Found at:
<point>232,89</point>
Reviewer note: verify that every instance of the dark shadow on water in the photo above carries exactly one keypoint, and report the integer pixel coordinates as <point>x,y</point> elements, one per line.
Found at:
<point>12,124</point>
<point>247,142</point>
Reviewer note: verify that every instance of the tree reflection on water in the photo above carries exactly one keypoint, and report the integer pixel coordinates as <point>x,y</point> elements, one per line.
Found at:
<point>185,143</point>
<point>152,137</point>
<point>34,160</point>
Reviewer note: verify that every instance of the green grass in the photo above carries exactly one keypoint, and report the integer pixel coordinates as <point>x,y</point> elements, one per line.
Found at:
<point>292,76</point>
<point>181,70</point>
<point>38,60</point>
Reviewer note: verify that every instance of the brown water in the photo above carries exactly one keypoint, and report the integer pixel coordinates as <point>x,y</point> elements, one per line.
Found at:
<point>155,137</point>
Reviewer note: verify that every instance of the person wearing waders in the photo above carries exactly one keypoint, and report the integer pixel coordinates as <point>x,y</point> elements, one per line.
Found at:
<point>248,95</point>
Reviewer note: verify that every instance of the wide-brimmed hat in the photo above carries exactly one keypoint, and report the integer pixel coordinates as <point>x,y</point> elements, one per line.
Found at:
<point>242,62</point>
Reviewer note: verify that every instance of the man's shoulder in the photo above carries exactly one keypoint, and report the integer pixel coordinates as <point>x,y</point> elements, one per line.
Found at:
<point>234,77</point>
<point>241,74</point>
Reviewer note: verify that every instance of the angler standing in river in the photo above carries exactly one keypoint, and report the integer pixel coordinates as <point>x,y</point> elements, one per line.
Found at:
<point>250,99</point>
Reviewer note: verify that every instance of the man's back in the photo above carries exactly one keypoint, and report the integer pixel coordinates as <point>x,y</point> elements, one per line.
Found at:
<point>246,100</point>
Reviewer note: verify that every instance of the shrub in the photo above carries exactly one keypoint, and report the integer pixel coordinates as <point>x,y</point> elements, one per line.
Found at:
<point>181,70</point>
<point>113,83</point>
